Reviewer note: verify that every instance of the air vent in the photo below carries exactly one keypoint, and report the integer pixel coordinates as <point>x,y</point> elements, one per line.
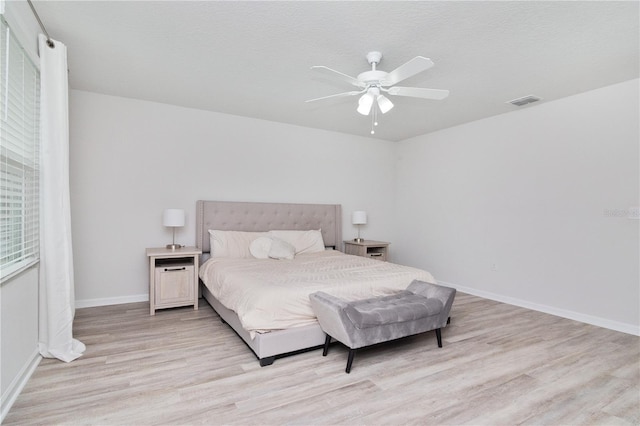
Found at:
<point>524,100</point>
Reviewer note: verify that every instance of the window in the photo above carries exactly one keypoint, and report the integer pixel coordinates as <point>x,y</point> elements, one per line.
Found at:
<point>19,157</point>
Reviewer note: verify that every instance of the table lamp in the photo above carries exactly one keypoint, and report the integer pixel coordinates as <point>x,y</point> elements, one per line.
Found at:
<point>359,218</point>
<point>173,218</point>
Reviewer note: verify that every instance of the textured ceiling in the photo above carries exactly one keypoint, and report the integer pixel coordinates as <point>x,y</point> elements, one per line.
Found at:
<point>253,58</point>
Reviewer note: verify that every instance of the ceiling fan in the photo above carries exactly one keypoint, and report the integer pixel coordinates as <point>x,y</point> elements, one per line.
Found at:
<point>375,82</point>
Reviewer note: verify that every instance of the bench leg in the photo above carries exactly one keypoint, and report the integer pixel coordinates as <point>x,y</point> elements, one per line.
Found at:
<point>352,352</point>
<point>439,337</point>
<point>327,340</point>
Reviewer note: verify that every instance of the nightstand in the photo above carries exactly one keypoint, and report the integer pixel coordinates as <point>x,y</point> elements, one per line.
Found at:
<point>173,277</point>
<point>374,249</point>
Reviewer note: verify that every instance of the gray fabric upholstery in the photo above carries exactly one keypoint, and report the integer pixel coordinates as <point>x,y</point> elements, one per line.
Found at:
<point>246,216</point>
<point>402,307</point>
<point>422,307</point>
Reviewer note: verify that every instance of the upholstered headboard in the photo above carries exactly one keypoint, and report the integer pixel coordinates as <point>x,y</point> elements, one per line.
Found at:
<point>243,216</point>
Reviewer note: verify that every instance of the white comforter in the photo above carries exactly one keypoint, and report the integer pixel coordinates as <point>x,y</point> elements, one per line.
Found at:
<point>269,294</point>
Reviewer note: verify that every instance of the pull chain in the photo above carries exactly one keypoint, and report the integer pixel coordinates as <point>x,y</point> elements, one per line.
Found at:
<point>374,118</point>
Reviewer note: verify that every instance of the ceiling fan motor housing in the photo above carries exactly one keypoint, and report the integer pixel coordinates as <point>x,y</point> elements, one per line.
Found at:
<point>373,77</point>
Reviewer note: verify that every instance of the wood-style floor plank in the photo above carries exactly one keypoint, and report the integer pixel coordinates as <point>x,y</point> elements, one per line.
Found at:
<point>500,364</point>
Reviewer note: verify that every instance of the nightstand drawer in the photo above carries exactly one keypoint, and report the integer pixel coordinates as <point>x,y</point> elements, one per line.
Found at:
<point>174,284</point>
<point>377,255</point>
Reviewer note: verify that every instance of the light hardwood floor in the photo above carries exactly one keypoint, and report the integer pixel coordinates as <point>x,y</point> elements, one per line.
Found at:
<point>500,365</point>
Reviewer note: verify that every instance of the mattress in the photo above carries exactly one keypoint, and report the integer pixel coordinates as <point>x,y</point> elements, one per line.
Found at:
<point>269,294</point>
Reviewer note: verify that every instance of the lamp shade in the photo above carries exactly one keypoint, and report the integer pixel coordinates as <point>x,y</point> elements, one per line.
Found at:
<point>173,217</point>
<point>359,218</point>
<point>365,103</point>
<point>384,104</point>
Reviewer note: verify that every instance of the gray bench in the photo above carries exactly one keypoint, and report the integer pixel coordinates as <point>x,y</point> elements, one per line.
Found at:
<point>421,307</point>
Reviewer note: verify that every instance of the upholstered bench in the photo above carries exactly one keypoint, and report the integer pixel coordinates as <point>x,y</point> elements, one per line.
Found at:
<point>421,307</point>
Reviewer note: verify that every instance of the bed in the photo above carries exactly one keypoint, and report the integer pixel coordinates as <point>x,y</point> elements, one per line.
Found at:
<point>284,328</point>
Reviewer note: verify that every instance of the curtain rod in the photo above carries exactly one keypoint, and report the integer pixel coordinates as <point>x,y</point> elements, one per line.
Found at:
<point>50,42</point>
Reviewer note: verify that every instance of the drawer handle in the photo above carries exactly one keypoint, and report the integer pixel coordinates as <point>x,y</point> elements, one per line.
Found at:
<point>174,269</point>
<point>375,254</point>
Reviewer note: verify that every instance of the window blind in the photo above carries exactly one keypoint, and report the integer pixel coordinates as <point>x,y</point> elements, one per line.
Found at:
<point>19,157</point>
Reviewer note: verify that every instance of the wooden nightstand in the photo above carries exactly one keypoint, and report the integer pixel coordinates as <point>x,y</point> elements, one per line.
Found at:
<point>374,249</point>
<point>173,277</point>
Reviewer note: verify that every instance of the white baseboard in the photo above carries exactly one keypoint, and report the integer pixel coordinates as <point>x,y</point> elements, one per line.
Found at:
<point>564,313</point>
<point>18,383</point>
<point>90,303</point>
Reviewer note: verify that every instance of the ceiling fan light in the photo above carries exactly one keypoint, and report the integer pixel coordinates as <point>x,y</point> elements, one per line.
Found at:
<point>384,103</point>
<point>365,103</point>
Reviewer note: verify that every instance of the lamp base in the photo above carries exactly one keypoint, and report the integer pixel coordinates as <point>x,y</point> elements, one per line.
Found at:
<point>358,240</point>
<point>173,246</point>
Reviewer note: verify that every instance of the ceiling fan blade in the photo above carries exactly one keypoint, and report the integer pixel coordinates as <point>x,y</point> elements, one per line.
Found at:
<point>337,95</point>
<point>409,69</point>
<point>418,92</point>
<point>333,73</point>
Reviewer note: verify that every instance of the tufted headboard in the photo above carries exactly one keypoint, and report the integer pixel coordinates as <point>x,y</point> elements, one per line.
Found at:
<point>243,216</point>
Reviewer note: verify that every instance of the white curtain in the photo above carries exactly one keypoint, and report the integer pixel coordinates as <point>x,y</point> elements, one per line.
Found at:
<point>57,303</point>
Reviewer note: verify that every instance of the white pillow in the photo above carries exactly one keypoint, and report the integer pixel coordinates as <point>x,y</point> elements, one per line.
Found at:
<point>232,243</point>
<point>303,241</point>
<point>260,247</point>
<point>281,249</point>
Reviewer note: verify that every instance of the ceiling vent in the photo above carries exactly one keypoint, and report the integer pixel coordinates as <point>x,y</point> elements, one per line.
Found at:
<point>524,100</point>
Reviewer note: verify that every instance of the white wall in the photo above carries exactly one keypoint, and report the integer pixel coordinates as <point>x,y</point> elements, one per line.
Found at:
<point>19,334</point>
<point>131,159</point>
<point>19,295</point>
<point>538,193</point>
